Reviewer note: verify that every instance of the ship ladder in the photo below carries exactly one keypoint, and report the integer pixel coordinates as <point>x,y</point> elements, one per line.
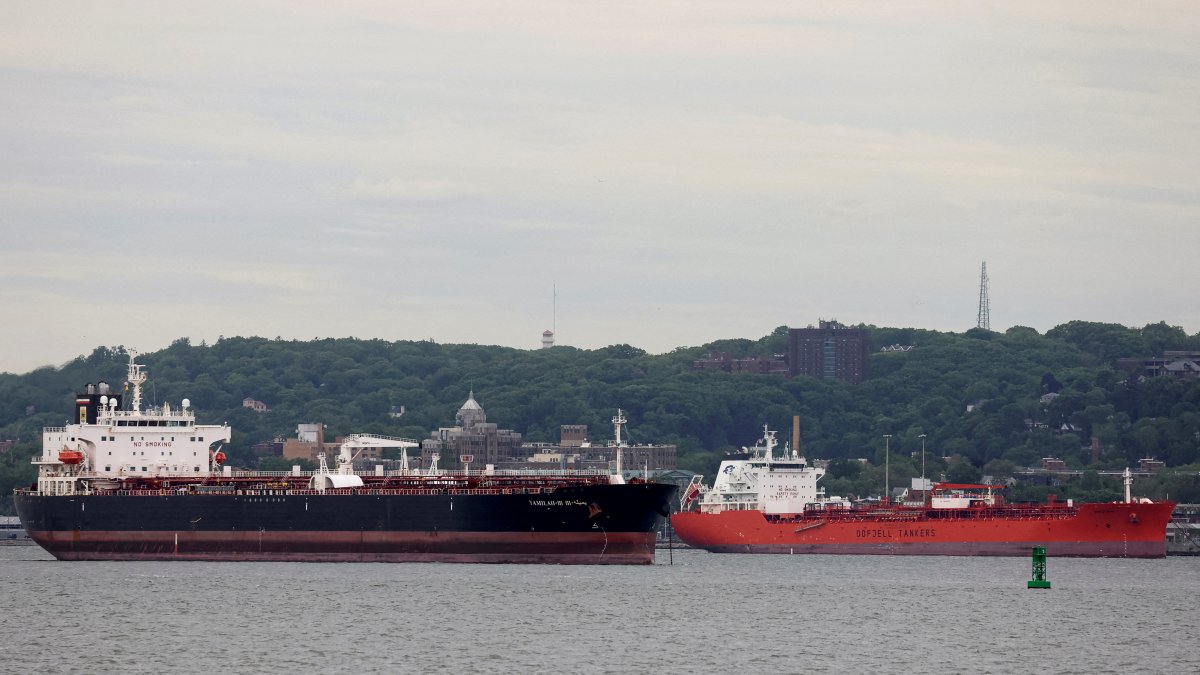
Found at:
<point>811,526</point>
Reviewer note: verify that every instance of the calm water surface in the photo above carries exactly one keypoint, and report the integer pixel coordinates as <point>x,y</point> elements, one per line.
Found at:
<point>705,613</point>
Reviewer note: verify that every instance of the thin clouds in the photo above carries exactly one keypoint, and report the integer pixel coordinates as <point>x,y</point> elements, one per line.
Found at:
<point>401,190</point>
<point>699,169</point>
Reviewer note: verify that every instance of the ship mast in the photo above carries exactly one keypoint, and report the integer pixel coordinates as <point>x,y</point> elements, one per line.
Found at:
<point>136,378</point>
<point>769,442</point>
<point>618,422</point>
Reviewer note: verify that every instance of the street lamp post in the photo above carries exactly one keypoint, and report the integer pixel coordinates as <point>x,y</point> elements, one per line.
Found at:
<point>887,492</point>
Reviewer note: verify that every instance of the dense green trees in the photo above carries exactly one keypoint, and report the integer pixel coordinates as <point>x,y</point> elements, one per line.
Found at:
<point>350,385</point>
<point>15,471</point>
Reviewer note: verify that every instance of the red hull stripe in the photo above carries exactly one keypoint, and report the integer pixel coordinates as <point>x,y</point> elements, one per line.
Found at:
<point>1015,548</point>
<point>591,548</point>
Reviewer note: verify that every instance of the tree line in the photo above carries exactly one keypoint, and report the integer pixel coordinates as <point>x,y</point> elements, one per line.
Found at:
<point>985,402</point>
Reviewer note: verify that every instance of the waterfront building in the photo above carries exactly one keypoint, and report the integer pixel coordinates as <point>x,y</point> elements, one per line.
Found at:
<point>473,436</point>
<point>308,443</point>
<point>575,452</point>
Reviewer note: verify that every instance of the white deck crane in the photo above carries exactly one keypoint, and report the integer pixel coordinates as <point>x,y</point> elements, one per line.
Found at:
<point>345,476</point>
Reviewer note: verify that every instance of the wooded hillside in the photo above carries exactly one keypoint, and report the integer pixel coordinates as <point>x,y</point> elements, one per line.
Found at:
<point>351,384</point>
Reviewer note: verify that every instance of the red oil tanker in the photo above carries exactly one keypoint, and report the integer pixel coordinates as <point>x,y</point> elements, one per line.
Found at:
<point>763,504</point>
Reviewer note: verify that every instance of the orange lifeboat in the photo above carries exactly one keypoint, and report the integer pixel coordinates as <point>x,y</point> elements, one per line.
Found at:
<point>70,456</point>
<point>219,458</point>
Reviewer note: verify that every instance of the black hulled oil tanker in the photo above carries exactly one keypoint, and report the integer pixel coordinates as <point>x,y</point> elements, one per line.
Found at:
<point>134,484</point>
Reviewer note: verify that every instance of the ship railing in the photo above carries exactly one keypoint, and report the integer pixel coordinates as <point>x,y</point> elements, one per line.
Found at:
<point>1008,512</point>
<point>301,492</point>
<point>417,473</point>
<point>140,493</point>
<point>153,412</point>
<point>356,437</point>
<point>530,472</point>
<point>53,430</point>
<point>270,474</point>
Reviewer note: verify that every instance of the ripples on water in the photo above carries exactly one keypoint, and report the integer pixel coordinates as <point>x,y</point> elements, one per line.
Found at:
<point>705,613</point>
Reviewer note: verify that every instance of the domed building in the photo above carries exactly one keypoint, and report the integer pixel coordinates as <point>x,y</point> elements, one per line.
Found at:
<point>471,413</point>
<point>472,436</point>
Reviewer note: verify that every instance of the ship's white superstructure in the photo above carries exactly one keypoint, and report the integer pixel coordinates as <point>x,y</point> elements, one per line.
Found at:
<point>756,480</point>
<point>108,443</point>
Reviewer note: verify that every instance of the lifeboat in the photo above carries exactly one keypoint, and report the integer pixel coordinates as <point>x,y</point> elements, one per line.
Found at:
<point>219,458</point>
<point>70,456</point>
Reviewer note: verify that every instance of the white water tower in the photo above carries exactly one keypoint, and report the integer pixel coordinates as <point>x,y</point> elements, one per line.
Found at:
<point>547,339</point>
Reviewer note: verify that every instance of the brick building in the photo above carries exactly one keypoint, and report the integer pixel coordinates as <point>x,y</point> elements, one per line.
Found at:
<point>575,452</point>
<point>761,365</point>
<point>472,435</point>
<point>255,405</point>
<point>831,351</point>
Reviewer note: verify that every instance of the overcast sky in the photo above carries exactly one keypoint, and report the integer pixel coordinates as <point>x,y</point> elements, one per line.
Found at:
<point>681,171</point>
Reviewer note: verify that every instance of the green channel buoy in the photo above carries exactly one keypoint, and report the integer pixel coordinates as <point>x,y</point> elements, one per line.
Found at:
<point>1039,568</point>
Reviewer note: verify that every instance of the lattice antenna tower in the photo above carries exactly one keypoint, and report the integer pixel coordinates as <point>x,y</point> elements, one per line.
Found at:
<point>984,320</point>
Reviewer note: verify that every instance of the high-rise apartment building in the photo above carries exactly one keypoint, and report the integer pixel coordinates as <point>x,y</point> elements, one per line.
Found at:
<point>830,351</point>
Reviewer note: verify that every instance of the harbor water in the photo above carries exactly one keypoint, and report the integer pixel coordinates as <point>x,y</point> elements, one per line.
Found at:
<point>705,613</point>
